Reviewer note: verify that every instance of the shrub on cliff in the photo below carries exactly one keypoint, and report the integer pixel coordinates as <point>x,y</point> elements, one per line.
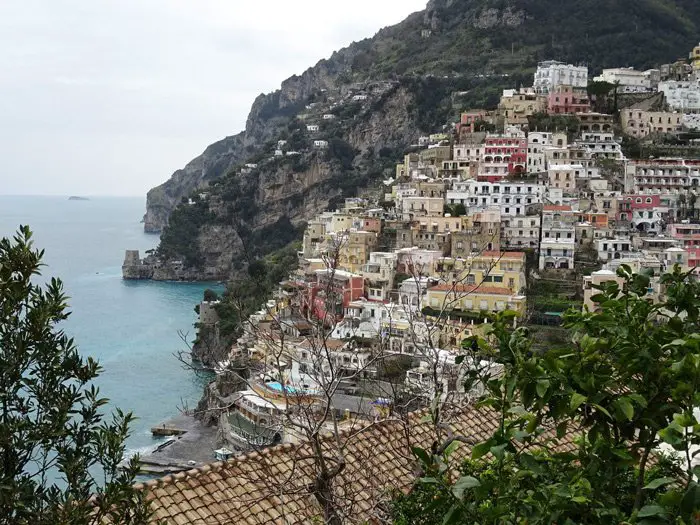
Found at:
<point>59,451</point>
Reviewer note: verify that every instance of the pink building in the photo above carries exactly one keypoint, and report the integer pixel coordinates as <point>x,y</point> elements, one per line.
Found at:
<point>643,212</point>
<point>689,234</point>
<point>371,224</point>
<point>468,120</point>
<point>568,100</point>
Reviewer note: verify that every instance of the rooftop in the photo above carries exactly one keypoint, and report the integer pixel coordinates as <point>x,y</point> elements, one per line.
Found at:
<point>272,486</point>
<point>471,288</point>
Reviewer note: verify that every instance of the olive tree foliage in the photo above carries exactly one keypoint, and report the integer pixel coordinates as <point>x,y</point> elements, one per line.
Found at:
<point>59,454</point>
<point>623,391</point>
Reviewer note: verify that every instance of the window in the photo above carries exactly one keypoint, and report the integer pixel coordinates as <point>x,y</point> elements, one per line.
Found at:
<point>497,279</point>
<point>511,282</point>
<point>483,305</point>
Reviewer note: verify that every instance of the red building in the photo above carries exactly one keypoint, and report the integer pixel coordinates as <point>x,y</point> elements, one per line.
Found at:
<point>503,155</point>
<point>333,292</point>
<point>468,120</point>
<point>631,203</point>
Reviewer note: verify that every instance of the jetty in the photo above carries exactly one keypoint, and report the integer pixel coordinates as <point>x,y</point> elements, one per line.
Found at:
<point>166,430</point>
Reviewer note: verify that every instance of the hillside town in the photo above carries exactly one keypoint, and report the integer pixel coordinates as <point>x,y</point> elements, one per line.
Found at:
<point>512,209</point>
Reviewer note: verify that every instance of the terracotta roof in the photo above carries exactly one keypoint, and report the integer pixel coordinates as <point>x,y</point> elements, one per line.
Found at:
<point>271,487</point>
<point>557,208</point>
<point>471,288</point>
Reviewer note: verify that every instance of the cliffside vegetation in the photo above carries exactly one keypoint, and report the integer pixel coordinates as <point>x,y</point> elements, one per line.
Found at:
<point>181,239</point>
<point>244,296</point>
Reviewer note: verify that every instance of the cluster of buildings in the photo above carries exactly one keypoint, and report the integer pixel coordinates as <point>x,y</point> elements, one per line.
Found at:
<point>463,222</point>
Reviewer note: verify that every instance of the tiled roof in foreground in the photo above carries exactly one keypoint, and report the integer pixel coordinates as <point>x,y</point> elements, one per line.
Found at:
<point>272,486</point>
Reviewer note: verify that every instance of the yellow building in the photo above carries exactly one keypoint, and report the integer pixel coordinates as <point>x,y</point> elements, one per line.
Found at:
<point>355,250</point>
<point>440,224</point>
<point>413,208</point>
<point>473,298</point>
<point>503,270</point>
<point>695,57</point>
<point>339,222</point>
<point>482,231</point>
<point>314,237</point>
<point>435,156</point>
<point>639,123</point>
<point>517,105</point>
<point>410,162</point>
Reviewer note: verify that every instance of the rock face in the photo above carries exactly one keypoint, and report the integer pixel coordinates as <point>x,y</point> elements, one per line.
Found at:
<point>135,269</point>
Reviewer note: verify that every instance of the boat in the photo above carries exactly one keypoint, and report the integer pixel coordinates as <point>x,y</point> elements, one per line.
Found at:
<point>76,198</point>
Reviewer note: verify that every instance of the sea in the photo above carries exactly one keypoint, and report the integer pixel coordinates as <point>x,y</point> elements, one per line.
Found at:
<point>133,328</point>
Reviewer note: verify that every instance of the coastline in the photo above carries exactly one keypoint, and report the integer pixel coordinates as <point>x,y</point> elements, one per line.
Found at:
<point>192,449</point>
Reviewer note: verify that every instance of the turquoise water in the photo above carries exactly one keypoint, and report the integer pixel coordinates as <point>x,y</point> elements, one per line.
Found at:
<point>130,327</point>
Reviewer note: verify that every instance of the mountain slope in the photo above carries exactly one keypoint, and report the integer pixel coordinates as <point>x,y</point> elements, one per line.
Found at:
<point>451,46</point>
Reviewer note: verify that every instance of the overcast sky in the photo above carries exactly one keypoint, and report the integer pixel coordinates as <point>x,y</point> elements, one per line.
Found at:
<point>109,97</point>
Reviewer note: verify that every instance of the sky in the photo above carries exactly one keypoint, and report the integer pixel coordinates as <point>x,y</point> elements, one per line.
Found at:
<point>109,97</point>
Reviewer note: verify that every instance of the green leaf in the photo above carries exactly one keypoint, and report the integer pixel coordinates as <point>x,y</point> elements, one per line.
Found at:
<point>691,500</point>
<point>499,450</point>
<point>658,483</point>
<point>561,429</point>
<point>650,511</point>
<point>577,400</point>
<point>451,448</point>
<point>602,409</point>
<point>464,483</point>
<point>451,516</point>
<point>625,407</point>
<point>542,387</point>
<point>480,450</point>
<point>422,455</point>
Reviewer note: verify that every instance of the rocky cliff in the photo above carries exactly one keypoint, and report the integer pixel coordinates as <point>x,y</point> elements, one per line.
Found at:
<point>382,94</point>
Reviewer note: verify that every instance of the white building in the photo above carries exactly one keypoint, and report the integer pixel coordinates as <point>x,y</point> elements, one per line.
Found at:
<point>682,95</point>
<point>601,145</point>
<point>630,80</point>
<point>557,254</point>
<point>537,143</point>
<point>609,249</point>
<point>521,232</point>
<point>312,128</point>
<point>321,144</point>
<point>564,176</point>
<point>551,73</point>
<point>329,116</point>
<point>665,176</point>
<point>513,198</point>
<point>468,152</point>
<point>558,241</point>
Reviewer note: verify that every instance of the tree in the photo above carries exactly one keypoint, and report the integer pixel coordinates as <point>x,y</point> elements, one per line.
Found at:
<point>628,383</point>
<point>210,295</point>
<point>59,454</point>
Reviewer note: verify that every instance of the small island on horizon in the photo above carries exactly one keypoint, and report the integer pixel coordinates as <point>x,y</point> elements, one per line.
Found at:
<point>77,198</point>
